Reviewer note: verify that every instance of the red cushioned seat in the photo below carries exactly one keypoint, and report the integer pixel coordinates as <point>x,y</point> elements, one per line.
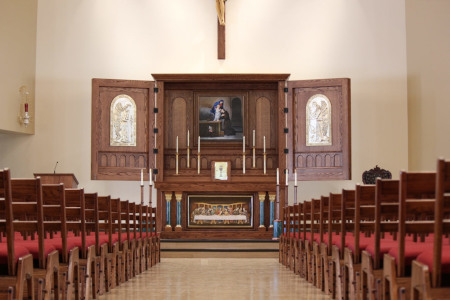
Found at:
<point>19,251</point>
<point>426,257</point>
<point>57,243</point>
<point>364,242</point>
<point>115,238</point>
<point>412,250</point>
<point>385,246</point>
<point>124,237</point>
<point>76,240</point>
<point>102,239</point>
<point>33,247</point>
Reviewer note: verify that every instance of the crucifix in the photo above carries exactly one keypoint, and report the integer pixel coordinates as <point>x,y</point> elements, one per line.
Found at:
<point>220,7</point>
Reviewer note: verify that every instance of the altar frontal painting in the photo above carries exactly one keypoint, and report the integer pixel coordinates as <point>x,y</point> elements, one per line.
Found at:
<point>221,211</point>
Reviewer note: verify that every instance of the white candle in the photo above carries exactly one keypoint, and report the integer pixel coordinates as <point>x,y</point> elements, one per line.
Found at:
<point>198,144</point>
<point>188,139</point>
<point>142,176</point>
<point>264,144</point>
<point>287,177</point>
<point>278,176</point>
<point>177,144</point>
<point>253,137</point>
<point>150,179</point>
<point>295,177</point>
<point>243,143</point>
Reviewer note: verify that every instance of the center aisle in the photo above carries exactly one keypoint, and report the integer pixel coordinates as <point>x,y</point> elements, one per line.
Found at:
<point>216,278</point>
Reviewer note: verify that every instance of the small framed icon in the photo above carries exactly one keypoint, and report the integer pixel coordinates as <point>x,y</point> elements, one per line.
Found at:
<point>220,170</point>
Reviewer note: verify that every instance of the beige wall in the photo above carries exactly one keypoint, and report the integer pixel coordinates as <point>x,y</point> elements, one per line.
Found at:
<point>428,42</point>
<point>78,40</point>
<point>17,62</point>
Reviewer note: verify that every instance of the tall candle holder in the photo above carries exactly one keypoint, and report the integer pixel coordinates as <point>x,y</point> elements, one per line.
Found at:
<point>142,194</point>
<point>176,163</point>
<point>265,166</point>
<point>254,157</point>
<point>265,157</point>
<point>198,163</point>
<point>150,187</point>
<point>295,186</point>
<point>188,164</point>
<point>243,163</point>
<point>254,151</point>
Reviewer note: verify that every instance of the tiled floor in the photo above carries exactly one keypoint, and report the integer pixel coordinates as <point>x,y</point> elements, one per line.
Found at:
<point>217,278</point>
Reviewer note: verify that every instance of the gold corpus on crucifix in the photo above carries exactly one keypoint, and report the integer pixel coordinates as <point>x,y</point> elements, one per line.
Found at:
<point>220,7</point>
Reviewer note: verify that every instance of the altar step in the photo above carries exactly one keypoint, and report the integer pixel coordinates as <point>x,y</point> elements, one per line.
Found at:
<point>184,248</point>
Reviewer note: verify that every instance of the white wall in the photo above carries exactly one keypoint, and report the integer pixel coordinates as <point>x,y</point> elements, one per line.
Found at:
<point>79,40</point>
<point>17,62</point>
<point>428,41</point>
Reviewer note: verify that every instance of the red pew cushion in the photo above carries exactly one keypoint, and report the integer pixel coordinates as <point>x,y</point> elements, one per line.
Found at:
<point>57,243</point>
<point>19,251</point>
<point>385,246</point>
<point>426,257</point>
<point>412,250</point>
<point>33,248</point>
<point>364,242</point>
<point>76,240</point>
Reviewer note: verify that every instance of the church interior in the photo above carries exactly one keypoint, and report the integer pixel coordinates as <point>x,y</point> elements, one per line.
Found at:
<point>219,148</point>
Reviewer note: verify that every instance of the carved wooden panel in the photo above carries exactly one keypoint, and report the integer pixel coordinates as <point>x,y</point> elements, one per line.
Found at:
<point>122,128</point>
<point>178,116</point>
<point>321,129</point>
<point>263,122</point>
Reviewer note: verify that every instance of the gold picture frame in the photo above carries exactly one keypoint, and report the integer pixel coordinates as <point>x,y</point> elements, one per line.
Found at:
<point>221,170</point>
<point>220,211</point>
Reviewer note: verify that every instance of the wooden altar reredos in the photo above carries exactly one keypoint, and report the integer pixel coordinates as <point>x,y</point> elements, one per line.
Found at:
<point>169,107</point>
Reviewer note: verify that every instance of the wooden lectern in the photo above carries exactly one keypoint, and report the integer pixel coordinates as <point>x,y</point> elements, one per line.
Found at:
<point>69,179</point>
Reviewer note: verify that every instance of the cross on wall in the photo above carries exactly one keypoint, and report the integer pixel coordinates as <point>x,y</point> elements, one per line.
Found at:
<point>220,7</point>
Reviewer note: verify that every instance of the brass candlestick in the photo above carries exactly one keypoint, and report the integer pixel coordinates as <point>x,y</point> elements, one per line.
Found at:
<point>198,163</point>
<point>243,163</point>
<point>176,163</point>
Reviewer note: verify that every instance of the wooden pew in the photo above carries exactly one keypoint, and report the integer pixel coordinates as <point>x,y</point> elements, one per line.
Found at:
<point>125,242</point>
<point>116,226</point>
<point>322,265</point>
<point>108,246</point>
<point>298,245</point>
<point>19,279</point>
<point>93,236</point>
<point>386,220</point>
<point>76,224</point>
<point>27,209</point>
<point>55,223</point>
<point>315,239</point>
<point>364,229</point>
<point>337,257</point>
<point>334,227</point>
<point>416,198</point>
<point>156,237</point>
<point>425,284</point>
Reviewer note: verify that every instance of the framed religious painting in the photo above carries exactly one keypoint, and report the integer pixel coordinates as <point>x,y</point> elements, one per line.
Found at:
<point>221,116</point>
<point>220,211</point>
<point>220,171</point>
